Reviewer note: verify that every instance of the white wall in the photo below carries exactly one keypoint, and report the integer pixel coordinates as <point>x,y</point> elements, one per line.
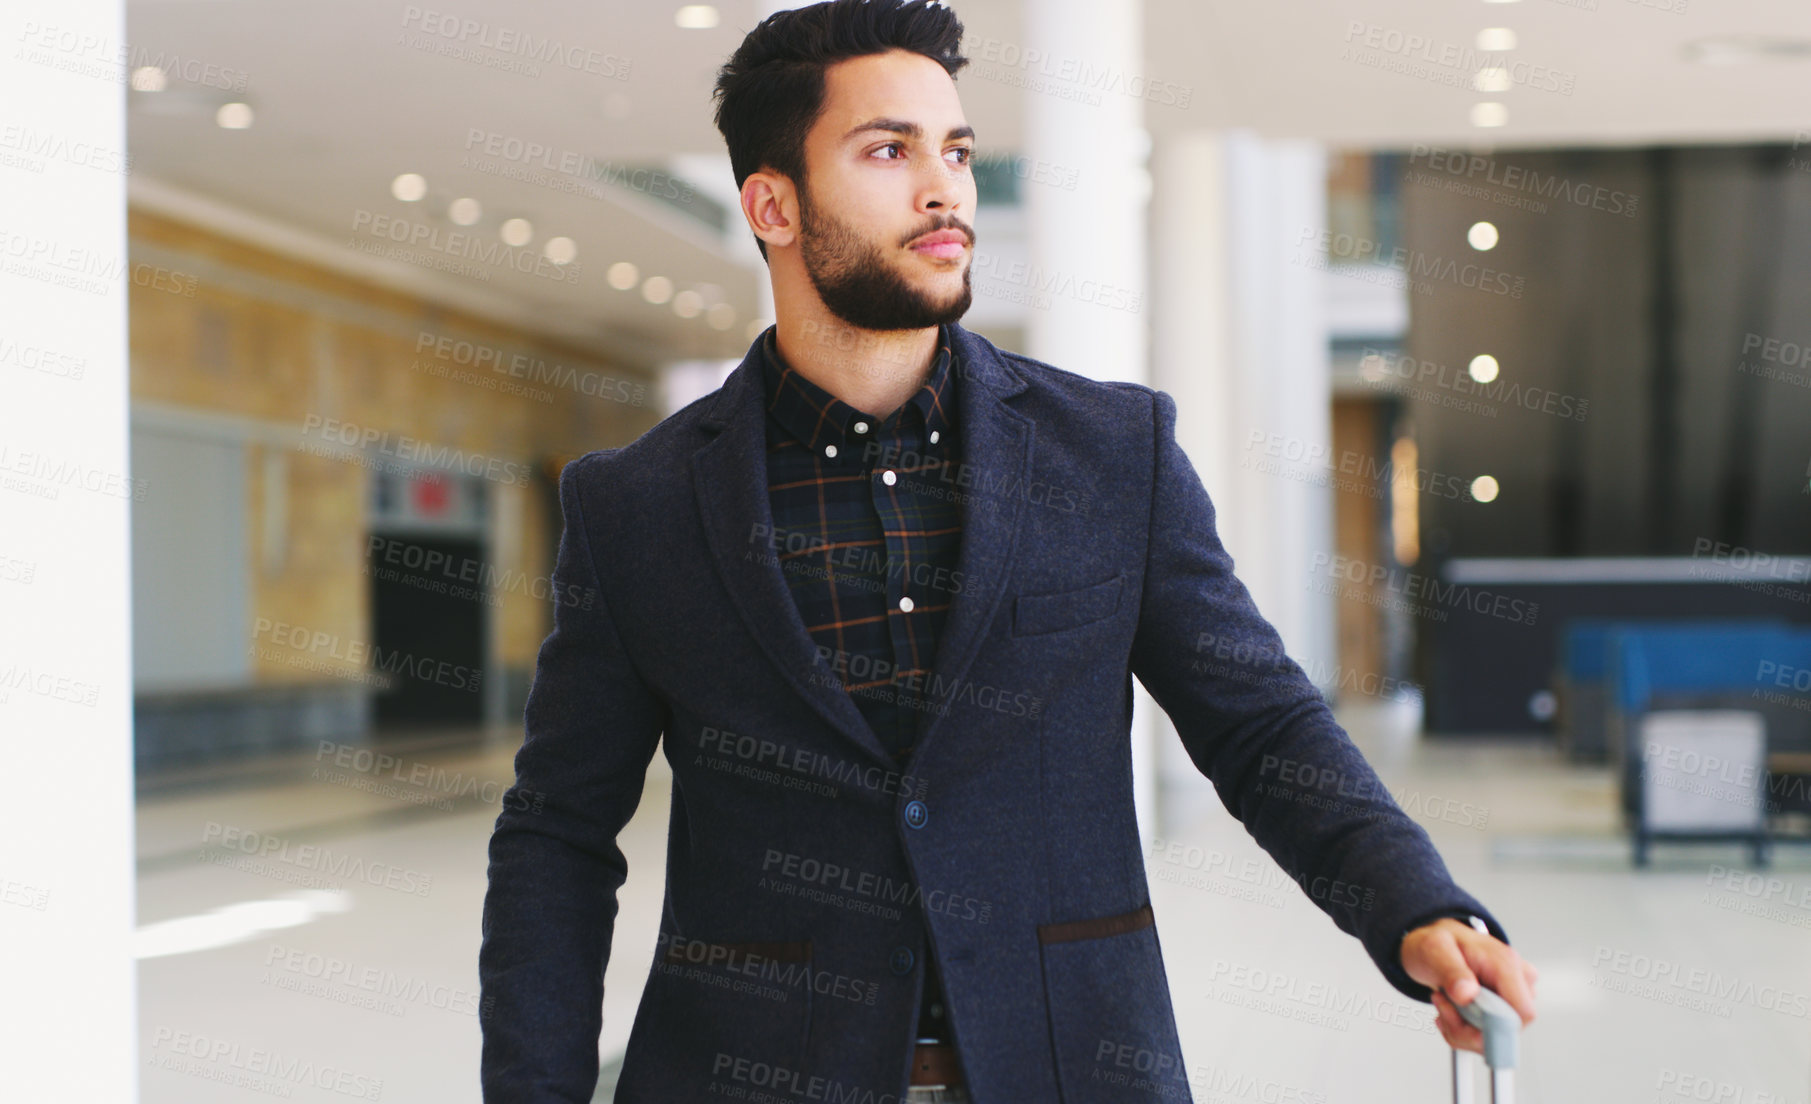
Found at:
<point>67,1004</point>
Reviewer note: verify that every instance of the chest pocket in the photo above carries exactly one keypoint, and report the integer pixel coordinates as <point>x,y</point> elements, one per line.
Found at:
<point>1033,614</point>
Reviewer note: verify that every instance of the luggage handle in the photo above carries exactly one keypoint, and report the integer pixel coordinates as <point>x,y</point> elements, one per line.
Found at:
<point>1501,1027</point>
<point>1493,1016</point>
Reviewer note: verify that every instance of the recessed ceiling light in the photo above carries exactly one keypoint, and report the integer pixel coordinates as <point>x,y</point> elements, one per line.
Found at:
<point>560,250</point>
<point>688,304</point>
<point>149,78</point>
<point>1494,40</point>
<point>1483,368</point>
<point>465,211</point>
<point>409,187</point>
<point>234,116</point>
<point>721,316</point>
<point>1489,114</point>
<point>623,275</point>
<point>1494,78</point>
<point>1482,236</point>
<point>1484,488</point>
<point>1735,49</point>
<point>657,289</point>
<point>516,231</point>
<point>696,17</point>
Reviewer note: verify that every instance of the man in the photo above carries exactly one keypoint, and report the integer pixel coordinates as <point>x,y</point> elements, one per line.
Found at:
<point>883,594</point>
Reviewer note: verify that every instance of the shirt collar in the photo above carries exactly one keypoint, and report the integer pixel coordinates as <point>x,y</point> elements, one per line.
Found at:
<point>818,419</point>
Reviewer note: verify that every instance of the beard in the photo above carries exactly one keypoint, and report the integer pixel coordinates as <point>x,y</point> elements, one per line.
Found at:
<point>854,280</point>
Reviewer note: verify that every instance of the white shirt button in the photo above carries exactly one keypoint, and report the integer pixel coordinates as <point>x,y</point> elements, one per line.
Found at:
<point>829,450</point>
<point>905,604</point>
<point>934,435</point>
<point>888,478</point>
<point>861,427</point>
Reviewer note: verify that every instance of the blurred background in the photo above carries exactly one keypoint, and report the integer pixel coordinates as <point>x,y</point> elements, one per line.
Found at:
<point>1489,324</point>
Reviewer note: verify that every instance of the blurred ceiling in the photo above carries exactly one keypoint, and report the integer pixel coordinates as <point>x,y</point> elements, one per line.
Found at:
<point>597,145</point>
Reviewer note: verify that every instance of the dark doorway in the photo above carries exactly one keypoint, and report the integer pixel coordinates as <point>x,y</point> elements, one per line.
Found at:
<point>428,622</point>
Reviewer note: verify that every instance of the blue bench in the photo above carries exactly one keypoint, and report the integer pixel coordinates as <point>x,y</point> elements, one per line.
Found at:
<point>1746,666</point>
<point>1583,683</point>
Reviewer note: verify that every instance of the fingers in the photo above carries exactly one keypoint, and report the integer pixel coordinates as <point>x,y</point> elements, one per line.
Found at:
<point>1500,967</point>
<point>1458,1034</point>
<point>1451,970</point>
<point>1455,962</point>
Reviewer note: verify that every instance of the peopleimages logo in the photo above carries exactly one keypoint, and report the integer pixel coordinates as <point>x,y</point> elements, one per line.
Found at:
<point>1449,63</point>
<point>1473,168</point>
<point>1386,366</point>
<point>529,153</point>
<point>1696,987</point>
<point>359,439</point>
<point>228,838</point>
<point>1424,587</point>
<point>1415,265</point>
<point>465,35</point>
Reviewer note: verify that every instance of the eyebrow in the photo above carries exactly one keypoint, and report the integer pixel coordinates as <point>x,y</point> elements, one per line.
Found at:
<point>906,128</point>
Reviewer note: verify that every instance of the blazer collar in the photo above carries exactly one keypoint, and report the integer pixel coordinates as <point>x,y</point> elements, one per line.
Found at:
<point>729,474</point>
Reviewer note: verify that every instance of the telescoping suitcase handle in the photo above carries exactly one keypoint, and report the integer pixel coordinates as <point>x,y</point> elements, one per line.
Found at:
<point>1501,1026</point>
<point>1493,1016</point>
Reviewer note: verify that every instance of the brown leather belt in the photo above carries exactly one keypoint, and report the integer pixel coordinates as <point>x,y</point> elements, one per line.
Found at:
<point>936,1064</point>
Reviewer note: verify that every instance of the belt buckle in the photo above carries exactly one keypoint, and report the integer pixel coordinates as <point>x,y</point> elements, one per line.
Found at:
<point>935,1066</point>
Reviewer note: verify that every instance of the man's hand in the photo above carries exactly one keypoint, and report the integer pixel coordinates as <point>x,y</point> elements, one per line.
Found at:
<point>1451,958</point>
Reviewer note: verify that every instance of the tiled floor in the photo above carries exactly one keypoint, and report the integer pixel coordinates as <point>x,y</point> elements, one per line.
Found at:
<point>346,940</point>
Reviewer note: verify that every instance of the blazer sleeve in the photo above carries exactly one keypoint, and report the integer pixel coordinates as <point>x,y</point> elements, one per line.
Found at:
<point>1255,724</point>
<point>592,725</point>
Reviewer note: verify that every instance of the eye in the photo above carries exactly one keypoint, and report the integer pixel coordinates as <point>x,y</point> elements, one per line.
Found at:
<point>896,147</point>
<point>967,152</point>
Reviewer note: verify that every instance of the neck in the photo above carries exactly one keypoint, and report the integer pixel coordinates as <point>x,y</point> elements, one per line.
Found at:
<point>875,371</point>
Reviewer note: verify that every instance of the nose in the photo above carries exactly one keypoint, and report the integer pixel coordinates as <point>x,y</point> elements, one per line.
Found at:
<point>942,187</point>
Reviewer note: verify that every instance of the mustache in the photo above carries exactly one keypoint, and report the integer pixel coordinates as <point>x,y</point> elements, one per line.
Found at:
<point>945,222</point>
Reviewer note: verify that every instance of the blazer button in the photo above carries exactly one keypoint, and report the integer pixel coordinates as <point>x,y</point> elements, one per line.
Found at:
<point>902,960</point>
<point>916,814</point>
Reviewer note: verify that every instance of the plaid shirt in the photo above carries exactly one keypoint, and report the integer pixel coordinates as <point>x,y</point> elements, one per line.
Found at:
<point>869,531</point>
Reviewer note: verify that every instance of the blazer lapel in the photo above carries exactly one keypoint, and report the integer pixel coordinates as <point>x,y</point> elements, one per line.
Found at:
<point>729,475</point>
<point>996,457</point>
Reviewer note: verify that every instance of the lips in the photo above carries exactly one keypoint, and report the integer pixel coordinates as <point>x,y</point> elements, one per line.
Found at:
<point>942,243</point>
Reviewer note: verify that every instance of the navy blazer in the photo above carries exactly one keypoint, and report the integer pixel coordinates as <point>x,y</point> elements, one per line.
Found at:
<point>805,871</point>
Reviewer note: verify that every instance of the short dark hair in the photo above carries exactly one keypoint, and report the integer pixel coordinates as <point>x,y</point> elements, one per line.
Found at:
<point>771,90</point>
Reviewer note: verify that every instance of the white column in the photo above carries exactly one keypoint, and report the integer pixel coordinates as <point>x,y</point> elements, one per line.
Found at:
<point>1086,243</point>
<point>1240,339</point>
<point>67,1031</point>
<point>1085,279</point>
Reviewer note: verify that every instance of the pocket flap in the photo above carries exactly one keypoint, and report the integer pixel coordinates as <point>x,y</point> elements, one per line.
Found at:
<point>1066,609</point>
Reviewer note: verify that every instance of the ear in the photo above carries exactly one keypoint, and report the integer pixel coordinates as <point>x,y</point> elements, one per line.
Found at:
<point>770,205</point>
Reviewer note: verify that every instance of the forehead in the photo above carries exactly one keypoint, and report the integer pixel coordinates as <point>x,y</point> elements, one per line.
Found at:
<point>898,84</point>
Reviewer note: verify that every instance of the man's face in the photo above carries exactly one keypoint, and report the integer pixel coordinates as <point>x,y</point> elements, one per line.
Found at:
<point>884,218</point>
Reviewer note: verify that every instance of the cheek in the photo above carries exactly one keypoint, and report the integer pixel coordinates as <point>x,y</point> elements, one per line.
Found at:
<point>872,206</point>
